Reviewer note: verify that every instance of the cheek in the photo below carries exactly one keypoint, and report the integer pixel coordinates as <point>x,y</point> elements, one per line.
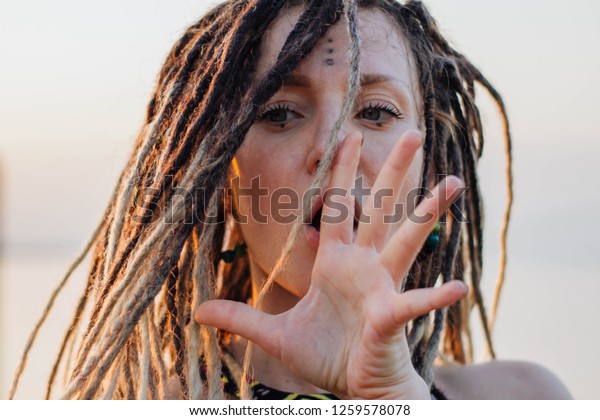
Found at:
<point>256,174</point>
<point>374,161</point>
<point>413,177</point>
<point>267,156</point>
<point>412,183</point>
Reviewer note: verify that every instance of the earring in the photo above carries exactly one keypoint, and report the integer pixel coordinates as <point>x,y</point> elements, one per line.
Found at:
<point>230,255</point>
<point>433,240</point>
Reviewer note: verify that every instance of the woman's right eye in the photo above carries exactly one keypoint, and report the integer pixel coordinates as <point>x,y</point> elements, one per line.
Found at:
<point>278,115</point>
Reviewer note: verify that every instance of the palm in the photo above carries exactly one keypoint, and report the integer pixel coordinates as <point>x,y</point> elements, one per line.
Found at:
<point>337,337</point>
<point>346,335</point>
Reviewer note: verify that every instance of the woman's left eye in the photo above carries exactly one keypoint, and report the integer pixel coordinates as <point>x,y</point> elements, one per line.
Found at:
<point>379,113</point>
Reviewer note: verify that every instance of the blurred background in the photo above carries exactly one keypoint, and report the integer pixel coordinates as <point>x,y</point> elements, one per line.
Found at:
<point>75,78</point>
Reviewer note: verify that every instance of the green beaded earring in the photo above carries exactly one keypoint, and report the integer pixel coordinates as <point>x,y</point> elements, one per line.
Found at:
<point>230,255</point>
<point>433,240</point>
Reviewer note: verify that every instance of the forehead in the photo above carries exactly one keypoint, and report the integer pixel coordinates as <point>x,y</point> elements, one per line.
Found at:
<point>384,46</point>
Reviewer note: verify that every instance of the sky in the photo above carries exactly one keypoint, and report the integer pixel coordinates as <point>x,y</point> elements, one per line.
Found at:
<point>75,78</point>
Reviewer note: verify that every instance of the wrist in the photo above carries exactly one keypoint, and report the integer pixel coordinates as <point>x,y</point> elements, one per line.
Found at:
<point>413,389</point>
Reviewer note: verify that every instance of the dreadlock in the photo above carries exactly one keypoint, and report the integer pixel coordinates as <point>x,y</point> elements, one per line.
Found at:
<point>156,253</point>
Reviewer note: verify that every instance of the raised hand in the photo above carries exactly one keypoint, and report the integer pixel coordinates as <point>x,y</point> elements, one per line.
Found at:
<point>347,334</point>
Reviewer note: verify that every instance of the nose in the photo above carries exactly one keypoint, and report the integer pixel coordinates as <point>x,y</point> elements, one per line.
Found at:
<point>314,158</point>
<point>320,140</point>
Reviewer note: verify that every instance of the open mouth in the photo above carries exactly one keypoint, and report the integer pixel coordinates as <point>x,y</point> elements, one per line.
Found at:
<point>312,227</point>
<point>315,221</point>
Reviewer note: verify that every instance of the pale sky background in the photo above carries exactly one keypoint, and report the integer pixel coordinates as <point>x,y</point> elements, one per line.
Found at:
<point>75,78</point>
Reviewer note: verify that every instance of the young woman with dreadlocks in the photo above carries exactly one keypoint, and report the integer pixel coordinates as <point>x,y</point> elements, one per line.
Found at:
<point>268,99</point>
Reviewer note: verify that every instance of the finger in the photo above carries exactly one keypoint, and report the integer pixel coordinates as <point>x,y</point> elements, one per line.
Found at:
<point>241,319</point>
<point>417,302</point>
<point>404,245</point>
<point>337,217</point>
<point>372,229</point>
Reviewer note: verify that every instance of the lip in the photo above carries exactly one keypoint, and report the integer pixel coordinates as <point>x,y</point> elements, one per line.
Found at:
<point>313,236</point>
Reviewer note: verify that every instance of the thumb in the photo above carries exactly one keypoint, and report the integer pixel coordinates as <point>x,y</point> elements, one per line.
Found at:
<point>241,319</point>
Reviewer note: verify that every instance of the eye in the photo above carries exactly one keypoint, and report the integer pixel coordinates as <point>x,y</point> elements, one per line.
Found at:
<point>379,113</point>
<point>278,115</point>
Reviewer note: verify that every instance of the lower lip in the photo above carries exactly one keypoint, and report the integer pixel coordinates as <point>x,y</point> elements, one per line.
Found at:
<point>312,236</point>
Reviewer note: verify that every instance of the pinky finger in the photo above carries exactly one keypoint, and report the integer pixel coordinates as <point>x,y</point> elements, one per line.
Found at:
<point>417,302</point>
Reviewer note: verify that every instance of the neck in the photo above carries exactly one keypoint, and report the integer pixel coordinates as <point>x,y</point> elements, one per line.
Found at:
<point>269,371</point>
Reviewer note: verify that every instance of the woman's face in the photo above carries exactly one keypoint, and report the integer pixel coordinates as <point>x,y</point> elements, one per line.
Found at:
<point>284,146</point>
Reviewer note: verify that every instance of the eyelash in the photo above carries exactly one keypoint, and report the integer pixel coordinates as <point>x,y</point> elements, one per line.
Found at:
<point>382,106</point>
<point>378,106</point>
<point>273,107</point>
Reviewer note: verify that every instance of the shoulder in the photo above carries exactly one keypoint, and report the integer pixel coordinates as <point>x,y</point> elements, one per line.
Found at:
<point>500,380</point>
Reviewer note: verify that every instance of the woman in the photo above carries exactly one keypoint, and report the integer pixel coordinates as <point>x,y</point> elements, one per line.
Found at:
<point>352,111</point>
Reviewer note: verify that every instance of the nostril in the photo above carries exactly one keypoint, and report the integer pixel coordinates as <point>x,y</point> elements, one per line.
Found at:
<point>316,166</point>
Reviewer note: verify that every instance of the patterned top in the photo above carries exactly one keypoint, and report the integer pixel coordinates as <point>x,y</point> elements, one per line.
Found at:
<point>263,392</point>
<point>259,391</point>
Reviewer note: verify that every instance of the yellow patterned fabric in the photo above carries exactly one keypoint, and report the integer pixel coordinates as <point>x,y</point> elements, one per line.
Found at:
<point>259,390</point>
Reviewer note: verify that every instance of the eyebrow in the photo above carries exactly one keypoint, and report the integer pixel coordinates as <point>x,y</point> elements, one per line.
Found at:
<point>373,79</point>
<point>297,80</point>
